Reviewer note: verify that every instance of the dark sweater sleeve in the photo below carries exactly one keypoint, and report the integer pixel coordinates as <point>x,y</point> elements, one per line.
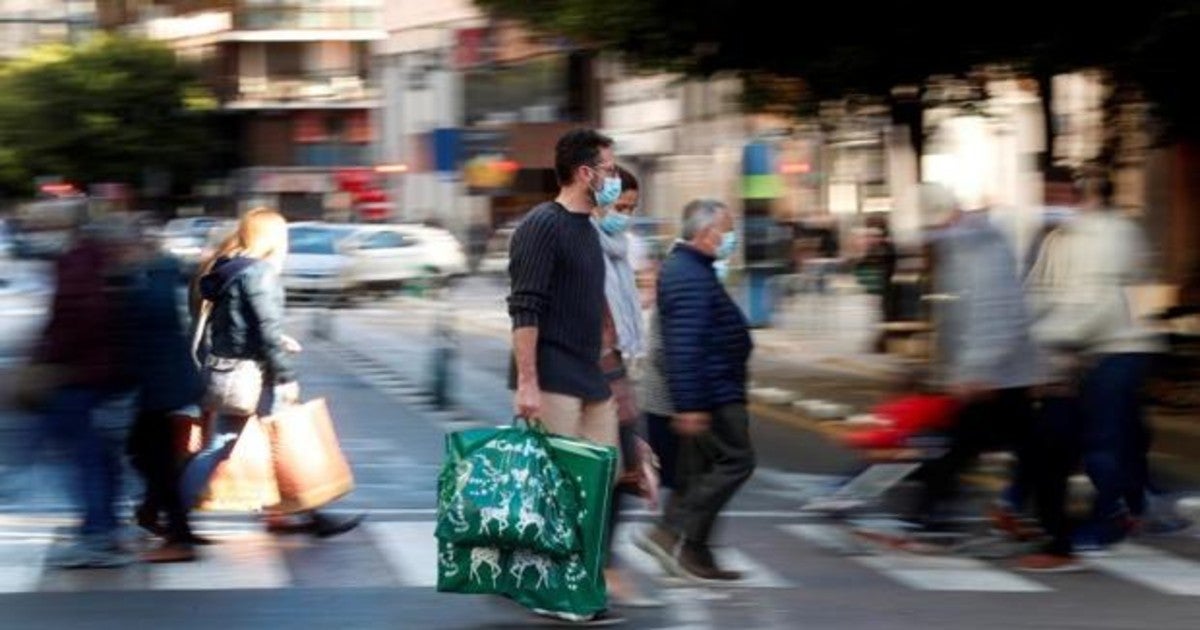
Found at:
<point>531,268</point>
<point>686,318</point>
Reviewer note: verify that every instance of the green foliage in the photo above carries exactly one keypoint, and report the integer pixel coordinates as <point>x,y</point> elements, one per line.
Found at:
<point>105,111</point>
<point>846,48</point>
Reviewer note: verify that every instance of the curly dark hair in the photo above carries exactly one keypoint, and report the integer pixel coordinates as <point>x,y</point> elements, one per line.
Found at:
<point>579,147</point>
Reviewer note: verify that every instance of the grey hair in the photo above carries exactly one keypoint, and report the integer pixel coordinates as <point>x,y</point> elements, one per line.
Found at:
<point>700,214</point>
<point>937,203</point>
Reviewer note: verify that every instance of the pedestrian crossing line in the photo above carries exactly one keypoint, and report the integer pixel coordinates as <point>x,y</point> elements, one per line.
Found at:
<point>410,548</point>
<point>1151,568</point>
<point>404,554</point>
<point>21,564</point>
<point>924,573</point>
<point>949,574</point>
<point>242,562</point>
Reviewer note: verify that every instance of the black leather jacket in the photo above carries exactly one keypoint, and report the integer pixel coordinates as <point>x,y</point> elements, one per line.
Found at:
<point>246,321</point>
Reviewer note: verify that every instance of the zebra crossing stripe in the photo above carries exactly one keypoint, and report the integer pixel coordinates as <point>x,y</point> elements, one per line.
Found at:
<point>21,564</point>
<point>1151,568</point>
<point>411,550</point>
<point>246,560</point>
<point>925,573</point>
<point>949,574</point>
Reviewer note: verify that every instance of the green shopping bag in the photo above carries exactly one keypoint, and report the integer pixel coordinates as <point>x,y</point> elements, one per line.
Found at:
<point>571,587</point>
<point>507,492</point>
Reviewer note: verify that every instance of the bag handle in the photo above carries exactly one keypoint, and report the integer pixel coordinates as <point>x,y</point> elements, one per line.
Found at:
<point>206,307</point>
<point>533,424</point>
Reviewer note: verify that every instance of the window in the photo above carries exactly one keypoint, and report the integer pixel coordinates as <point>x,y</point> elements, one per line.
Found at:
<point>306,240</point>
<point>285,60</point>
<point>385,240</point>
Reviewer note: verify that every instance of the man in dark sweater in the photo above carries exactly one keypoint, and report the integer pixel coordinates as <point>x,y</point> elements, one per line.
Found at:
<point>557,298</point>
<point>706,345</point>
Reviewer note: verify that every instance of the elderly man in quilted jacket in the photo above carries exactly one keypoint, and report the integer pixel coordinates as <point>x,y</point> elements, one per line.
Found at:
<point>706,346</point>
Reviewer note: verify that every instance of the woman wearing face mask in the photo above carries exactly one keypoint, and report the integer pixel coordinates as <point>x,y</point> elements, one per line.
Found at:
<point>623,342</point>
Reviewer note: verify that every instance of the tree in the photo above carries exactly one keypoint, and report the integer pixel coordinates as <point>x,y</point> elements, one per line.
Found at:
<point>846,48</point>
<point>109,111</point>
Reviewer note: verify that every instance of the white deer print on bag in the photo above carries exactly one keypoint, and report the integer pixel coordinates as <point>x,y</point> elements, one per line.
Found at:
<point>498,514</point>
<point>524,560</point>
<point>485,557</point>
<point>528,517</point>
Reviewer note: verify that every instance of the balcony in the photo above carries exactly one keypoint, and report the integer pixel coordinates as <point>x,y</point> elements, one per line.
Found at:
<point>307,18</point>
<point>345,89</point>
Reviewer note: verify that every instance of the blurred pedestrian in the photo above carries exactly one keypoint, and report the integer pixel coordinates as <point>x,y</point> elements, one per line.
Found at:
<point>985,354</point>
<point>706,348</point>
<point>84,343</point>
<point>167,380</point>
<point>1079,290</point>
<point>623,343</point>
<point>877,269</point>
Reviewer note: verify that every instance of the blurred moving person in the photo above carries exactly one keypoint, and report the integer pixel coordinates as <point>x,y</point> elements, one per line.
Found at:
<point>877,269</point>
<point>623,341</point>
<point>167,380</point>
<point>1078,290</point>
<point>985,354</point>
<point>84,345</point>
<point>706,348</point>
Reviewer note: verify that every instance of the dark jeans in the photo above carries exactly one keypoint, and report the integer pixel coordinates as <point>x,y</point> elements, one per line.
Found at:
<point>1001,421</point>
<point>1115,436</point>
<point>151,452</point>
<point>69,421</point>
<point>1054,455</point>
<point>711,468</point>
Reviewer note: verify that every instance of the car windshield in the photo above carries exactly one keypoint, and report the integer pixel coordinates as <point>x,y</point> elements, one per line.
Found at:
<point>314,240</point>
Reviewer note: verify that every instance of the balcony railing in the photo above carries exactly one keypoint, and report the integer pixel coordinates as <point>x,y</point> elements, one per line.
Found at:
<point>298,18</point>
<point>330,88</point>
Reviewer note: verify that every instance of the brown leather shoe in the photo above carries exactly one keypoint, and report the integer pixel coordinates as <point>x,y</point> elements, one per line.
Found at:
<point>170,552</point>
<point>697,562</point>
<point>1048,563</point>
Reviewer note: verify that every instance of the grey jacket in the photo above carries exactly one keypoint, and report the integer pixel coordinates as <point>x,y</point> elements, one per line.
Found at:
<point>983,324</point>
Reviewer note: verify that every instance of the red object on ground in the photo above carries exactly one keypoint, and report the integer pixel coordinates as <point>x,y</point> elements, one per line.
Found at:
<point>907,416</point>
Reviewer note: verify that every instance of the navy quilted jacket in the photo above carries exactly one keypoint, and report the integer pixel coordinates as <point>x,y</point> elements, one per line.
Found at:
<point>705,336</point>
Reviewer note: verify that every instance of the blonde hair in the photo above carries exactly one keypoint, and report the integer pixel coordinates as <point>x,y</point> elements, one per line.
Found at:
<point>261,233</point>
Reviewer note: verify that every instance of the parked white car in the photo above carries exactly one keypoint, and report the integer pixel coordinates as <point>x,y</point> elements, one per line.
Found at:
<point>189,239</point>
<point>441,253</point>
<point>345,259</point>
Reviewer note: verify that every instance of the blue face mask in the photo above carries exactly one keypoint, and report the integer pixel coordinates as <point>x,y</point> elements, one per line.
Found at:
<point>614,222</point>
<point>609,192</point>
<point>722,269</point>
<point>728,245</point>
